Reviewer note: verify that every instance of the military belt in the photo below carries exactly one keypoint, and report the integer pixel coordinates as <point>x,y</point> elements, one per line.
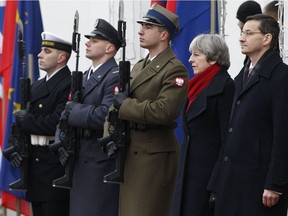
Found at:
<point>144,127</point>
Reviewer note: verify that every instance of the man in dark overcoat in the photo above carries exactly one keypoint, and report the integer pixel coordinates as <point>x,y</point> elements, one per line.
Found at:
<point>48,98</point>
<point>253,167</point>
<point>89,195</point>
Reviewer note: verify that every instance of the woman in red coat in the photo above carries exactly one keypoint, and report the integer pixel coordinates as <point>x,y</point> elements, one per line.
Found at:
<point>205,122</point>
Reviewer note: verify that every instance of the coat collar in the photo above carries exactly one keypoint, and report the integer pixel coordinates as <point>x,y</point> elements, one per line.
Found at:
<point>263,68</point>
<point>145,73</point>
<point>216,86</point>
<point>43,87</point>
<point>97,76</point>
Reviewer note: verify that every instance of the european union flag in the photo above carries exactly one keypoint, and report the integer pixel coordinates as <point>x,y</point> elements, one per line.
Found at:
<point>30,14</point>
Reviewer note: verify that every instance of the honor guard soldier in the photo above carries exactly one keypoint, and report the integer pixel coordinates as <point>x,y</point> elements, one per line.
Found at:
<point>157,92</point>
<point>89,195</point>
<point>48,98</point>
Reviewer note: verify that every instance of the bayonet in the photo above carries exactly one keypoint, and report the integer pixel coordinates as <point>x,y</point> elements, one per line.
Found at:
<point>76,38</point>
<point>76,22</point>
<point>121,10</point>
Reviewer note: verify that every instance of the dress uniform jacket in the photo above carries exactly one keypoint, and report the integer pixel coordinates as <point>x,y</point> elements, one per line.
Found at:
<point>255,153</point>
<point>157,93</point>
<point>89,195</point>
<point>48,100</point>
<point>205,125</point>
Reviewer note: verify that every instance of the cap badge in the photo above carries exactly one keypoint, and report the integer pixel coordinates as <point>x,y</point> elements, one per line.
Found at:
<point>179,81</point>
<point>96,23</point>
<point>153,5</point>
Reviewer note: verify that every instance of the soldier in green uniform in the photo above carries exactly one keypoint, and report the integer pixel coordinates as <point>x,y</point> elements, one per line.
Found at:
<point>158,90</point>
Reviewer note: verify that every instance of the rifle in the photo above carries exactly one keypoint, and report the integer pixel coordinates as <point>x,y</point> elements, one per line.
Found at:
<point>68,135</point>
<point>19,141</point>
<point>118,140</point>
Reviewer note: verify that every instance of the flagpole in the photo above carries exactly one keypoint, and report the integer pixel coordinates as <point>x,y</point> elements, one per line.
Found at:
<point>18,207</point>
<point>213,17</point>
<point>4,211</point>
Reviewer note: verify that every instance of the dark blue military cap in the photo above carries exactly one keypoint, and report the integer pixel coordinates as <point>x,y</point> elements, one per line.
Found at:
<point>160,16</point>
<point>105,31</point>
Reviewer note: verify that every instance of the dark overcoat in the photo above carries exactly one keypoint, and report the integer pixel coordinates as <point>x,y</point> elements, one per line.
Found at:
<point>157,93</point>
<point>256,148</point>
<point>205,125</point>
<point>48,100</point>
<point>89,195</point>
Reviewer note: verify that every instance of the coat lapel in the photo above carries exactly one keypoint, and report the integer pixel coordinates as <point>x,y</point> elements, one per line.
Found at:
<point>85,75</point>
<point>41,90</point>
<point>141,74</point>
<point>97,76</point>
<point>44,87</point>
<point>263,68</point>
<point>216,86</point>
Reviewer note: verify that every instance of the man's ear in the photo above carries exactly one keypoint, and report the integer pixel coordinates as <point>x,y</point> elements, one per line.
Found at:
<point>61,57</point>
<point>164,35</point>
<point>110,48</point>
<point>267,39</point>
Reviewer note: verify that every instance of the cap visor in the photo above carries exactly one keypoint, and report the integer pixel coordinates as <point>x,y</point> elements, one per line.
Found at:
<point>148,22</point>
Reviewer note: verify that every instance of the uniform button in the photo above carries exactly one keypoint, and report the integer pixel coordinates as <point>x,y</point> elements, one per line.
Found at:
<point>135,152</point>
<point>230,130</point>
<point>238,102</point>
<point>40,106</point>
<point>226,158</point>
<point>37,159</point>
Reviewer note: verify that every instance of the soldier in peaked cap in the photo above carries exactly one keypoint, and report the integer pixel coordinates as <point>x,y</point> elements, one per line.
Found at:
<point>159,16</point>
<point>48,98</point>
<point>105,31</point>
<point>54,41</point>
<point>89,195</point>
<point>158,89</point>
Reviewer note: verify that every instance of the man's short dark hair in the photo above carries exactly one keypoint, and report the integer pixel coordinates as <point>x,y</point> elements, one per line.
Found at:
<point>268,25</point>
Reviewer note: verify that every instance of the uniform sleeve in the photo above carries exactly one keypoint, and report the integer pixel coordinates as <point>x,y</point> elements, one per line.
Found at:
<point>277,175</point>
